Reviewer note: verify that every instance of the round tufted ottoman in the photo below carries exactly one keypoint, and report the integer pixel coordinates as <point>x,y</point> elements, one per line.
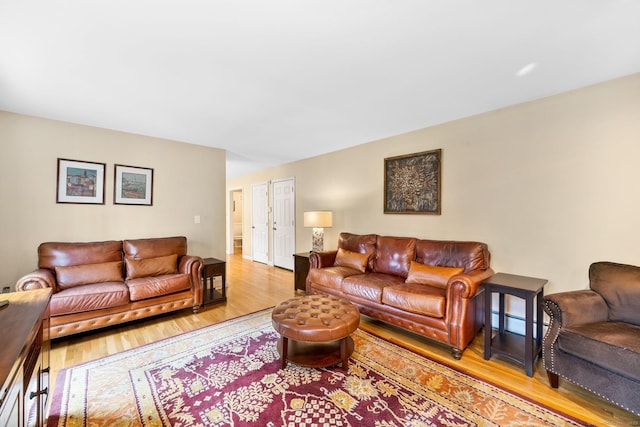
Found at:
<point>315,330</point>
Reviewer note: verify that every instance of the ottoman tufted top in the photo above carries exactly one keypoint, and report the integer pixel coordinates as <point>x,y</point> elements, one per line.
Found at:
<point>315,318</point>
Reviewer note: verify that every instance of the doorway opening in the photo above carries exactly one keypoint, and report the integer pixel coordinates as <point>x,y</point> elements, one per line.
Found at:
<point>235,219</point>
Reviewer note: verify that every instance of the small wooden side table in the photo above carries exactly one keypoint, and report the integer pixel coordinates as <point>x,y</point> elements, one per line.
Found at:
<point>212,293</point>
<point>300,271</point>
<point>521,349</point>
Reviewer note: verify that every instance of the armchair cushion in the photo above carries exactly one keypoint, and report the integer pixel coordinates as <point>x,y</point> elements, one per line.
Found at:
<point>619,285</point>
<point>614,345</point>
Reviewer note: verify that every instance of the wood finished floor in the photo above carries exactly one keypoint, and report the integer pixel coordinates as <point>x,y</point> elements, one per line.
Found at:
<point>253,286</point>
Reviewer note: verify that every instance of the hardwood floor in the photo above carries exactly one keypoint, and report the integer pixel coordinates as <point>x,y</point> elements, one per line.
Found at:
<point>252,286</point>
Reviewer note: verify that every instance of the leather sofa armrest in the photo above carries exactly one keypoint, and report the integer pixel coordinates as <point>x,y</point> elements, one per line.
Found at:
<point>322,259</point>
<point>38,279</point>
<point>192,265</point>
<point>575,308</point>
<point>466,285</point>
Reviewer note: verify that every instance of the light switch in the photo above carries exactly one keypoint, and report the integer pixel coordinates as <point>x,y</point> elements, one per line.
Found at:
<point>196,219</point>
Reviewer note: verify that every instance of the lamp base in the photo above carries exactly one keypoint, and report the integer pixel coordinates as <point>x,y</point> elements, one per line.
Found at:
<point>318,239</point>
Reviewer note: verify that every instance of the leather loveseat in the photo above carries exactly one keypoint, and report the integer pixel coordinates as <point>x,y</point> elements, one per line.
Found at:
<point>430,287</point>
<point>593,339</point>
<point>100,284</point>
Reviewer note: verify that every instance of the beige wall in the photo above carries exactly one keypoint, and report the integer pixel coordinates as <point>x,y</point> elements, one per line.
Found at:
<point>188,181</point>
<point>550,185</point>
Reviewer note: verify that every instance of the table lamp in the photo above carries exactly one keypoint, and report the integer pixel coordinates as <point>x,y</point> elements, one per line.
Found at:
<point>318,220</point>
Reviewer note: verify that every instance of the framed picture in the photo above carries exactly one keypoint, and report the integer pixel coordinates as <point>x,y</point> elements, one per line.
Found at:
<point>412,183</point>
<point>133,186</point>
<point>80,182</point>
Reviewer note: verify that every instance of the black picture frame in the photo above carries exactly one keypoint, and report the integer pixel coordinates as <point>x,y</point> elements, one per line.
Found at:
<point>80,182</point>
<point>132,185</point>
<point>412,183</point>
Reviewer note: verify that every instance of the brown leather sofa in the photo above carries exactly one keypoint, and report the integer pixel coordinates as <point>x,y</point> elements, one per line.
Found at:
<point>100,284</point>
<point>430,287</point>
<point>593,339</point>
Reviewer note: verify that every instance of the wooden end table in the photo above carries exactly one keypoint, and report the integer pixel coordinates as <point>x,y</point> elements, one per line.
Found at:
<point>212,268</point>
<point>522,349</point>
<point>300,271</point>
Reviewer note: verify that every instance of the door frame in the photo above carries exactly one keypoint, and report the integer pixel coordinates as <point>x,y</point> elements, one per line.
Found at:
<point>230,242</point>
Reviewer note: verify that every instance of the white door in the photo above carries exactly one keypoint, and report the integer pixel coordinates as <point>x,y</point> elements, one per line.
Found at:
<point>260,222</point>
<point>284,223</point>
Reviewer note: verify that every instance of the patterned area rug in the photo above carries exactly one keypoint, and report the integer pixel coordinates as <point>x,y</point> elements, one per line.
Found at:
<point>228,374</point>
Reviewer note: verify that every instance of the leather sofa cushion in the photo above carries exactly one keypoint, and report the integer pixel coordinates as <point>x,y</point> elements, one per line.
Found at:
<point>369,285</point>
<point>619,285</point>
<point>83,298</point>
<point>85,274</point>
<point>612,345</point>
<point>394,255</point>
<point>331,277</point>
<point>156,266</point>
<point>416,298</point>
<point>149,248</point>
<point>64,254</point>
<point>149,287</point>
<point>468,255</point>
<point>346,258</point>
<point>431,275</point>
<point>364,244</point>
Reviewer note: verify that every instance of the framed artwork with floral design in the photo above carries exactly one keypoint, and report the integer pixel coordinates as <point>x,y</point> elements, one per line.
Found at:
<point>412,183</point>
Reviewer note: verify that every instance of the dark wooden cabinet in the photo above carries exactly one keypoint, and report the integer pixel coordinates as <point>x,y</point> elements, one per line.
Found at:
<point>24,358</point>
<point>214,290</point>
<point>300,270</point>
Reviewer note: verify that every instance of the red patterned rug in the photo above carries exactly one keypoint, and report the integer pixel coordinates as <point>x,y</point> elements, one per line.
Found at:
<point>228,374</point>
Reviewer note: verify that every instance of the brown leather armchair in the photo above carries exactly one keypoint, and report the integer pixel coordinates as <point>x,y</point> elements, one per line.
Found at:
<point>593,339</point>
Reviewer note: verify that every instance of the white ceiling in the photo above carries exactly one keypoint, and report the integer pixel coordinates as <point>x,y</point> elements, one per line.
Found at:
<point>274,81</point>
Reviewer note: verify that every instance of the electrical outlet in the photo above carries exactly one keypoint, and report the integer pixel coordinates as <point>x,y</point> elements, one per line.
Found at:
<point>6,290</point>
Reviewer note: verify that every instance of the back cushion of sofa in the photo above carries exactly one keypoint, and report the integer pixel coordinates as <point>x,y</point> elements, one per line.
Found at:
<point>364,244</point>
<point>65,254</point>
<point>619,285</point>
<point>394,255</point>
<point>85,274</point>
<point>151,248</point>
<point>468,255</point>
<point>156,266</point>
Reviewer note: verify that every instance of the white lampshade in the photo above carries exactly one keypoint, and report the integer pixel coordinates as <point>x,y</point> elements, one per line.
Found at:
<point>318,219</point>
